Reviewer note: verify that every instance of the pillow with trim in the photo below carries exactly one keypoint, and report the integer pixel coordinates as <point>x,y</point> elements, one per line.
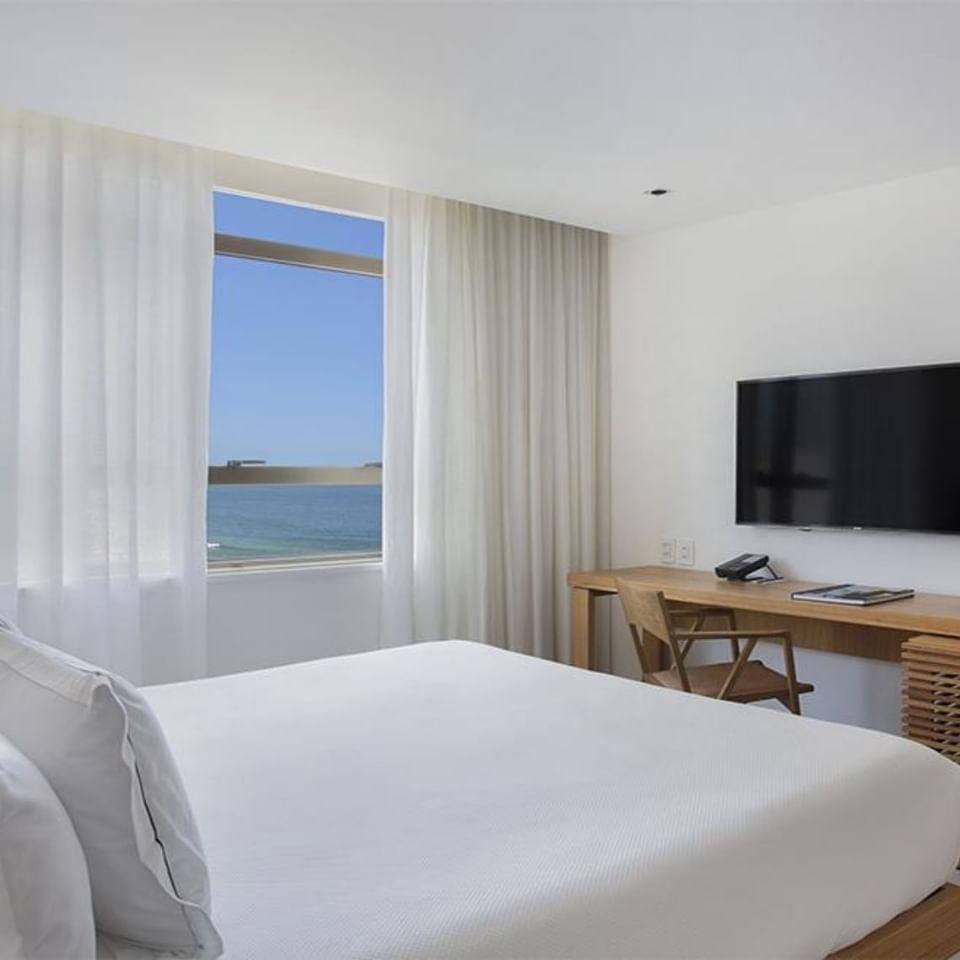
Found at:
<point>100,746</point>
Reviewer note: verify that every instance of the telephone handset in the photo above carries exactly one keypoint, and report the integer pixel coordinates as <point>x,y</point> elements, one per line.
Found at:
<point>740,568</point>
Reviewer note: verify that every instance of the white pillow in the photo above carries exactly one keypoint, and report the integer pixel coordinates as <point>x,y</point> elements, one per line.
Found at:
<point>99,745</point>
<point>45,911</point>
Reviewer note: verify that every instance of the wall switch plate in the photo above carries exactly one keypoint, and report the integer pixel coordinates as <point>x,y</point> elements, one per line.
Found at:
<point>668,550</point>
<point>685,553</point>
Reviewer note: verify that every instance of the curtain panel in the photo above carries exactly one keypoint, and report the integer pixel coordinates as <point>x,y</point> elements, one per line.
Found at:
<point>496,434</point>
<point>106,260</point>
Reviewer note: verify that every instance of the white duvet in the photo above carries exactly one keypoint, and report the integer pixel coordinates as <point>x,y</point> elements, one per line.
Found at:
<point>452,800</point>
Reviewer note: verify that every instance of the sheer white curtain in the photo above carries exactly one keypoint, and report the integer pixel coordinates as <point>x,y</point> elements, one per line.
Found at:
<point>106,259</point>
<point>496,440</point>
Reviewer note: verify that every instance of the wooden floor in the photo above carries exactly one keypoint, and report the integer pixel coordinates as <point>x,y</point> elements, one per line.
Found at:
<point>930,931</point>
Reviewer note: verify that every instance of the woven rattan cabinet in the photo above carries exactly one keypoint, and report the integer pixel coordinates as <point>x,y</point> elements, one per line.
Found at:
<point>931,693</point>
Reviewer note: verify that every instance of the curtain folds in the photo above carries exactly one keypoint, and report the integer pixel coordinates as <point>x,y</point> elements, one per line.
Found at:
<point>106,260</point>
<point>496,438</point>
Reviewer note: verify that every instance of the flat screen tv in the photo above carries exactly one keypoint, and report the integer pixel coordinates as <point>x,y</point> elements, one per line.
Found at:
<point>877,448</point>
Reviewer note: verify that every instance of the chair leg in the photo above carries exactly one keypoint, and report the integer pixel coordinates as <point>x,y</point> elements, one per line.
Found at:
<point>736,669</point>
<point>794,697</point>
<point>685,648</point>
<point>785,700</point>
<point>645,666</point>
<point>734,643</point>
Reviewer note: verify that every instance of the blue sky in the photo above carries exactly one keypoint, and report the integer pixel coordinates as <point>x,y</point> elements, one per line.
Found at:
<point>297,367</point>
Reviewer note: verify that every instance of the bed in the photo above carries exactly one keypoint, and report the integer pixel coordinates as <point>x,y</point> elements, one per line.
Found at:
<point>454,800</point>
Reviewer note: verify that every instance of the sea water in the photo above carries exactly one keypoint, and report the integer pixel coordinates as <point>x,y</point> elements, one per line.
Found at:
<point>264,521</point>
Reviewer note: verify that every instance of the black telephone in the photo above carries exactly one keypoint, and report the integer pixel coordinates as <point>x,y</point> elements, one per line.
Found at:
<point>740,568</point>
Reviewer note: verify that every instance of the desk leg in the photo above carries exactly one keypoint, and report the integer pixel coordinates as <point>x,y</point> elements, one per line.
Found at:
<point>581,627</point>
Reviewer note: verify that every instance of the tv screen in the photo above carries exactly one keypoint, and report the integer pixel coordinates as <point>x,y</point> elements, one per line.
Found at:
<point>878,448</point>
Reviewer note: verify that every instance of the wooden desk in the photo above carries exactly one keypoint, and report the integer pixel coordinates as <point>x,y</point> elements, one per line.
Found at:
<point>875,632</point>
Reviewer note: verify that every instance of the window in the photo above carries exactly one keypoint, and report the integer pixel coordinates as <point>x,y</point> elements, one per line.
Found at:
<point>296,394</point>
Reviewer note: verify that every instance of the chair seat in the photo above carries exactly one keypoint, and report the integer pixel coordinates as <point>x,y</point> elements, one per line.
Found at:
<point>756,682</point>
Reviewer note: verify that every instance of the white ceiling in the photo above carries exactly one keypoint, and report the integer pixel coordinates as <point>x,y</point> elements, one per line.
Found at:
<point>563,110</point>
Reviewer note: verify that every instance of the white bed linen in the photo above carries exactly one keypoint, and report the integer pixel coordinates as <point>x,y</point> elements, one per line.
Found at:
<point>452,800</point>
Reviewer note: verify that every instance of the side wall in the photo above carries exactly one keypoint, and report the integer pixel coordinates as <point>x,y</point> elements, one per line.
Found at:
<point>866,278</point>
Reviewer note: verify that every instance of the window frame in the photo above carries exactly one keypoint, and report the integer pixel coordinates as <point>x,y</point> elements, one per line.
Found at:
<point>272,251</point>
<point>234,472</point>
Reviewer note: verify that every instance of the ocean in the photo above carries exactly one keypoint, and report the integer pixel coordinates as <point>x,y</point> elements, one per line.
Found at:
<point>269,521</point>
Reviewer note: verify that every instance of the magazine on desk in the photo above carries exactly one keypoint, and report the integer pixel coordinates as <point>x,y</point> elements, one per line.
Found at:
<point>852,593</point>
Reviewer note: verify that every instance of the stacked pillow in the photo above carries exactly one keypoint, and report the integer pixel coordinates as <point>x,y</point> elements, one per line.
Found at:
<point>44,889</point>
<point>100,747</point>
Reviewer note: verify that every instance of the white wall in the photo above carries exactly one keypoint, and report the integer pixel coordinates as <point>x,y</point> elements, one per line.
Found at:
<point>866,278</point>
<point>262,618</point>
<point>248,175</point>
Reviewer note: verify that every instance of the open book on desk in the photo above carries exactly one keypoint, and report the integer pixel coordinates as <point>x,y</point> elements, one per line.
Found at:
<point>852,593</point>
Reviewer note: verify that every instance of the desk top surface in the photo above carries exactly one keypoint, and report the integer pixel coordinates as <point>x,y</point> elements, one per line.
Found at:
<point>924,613</point>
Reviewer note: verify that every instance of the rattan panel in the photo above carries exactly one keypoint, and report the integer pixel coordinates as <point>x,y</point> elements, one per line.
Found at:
<point>931,693</point>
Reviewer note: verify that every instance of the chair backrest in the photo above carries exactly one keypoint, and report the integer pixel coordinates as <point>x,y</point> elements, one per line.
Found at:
<point>645,611</point>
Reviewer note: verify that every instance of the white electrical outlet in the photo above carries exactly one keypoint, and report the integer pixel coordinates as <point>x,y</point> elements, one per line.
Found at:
<point>685,553</point>
<point>668,550</point>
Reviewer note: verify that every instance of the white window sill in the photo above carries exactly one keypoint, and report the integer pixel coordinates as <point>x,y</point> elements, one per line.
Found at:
<point>278,567</point>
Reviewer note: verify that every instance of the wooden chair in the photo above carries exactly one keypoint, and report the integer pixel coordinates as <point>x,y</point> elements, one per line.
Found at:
<point>741,679</point>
